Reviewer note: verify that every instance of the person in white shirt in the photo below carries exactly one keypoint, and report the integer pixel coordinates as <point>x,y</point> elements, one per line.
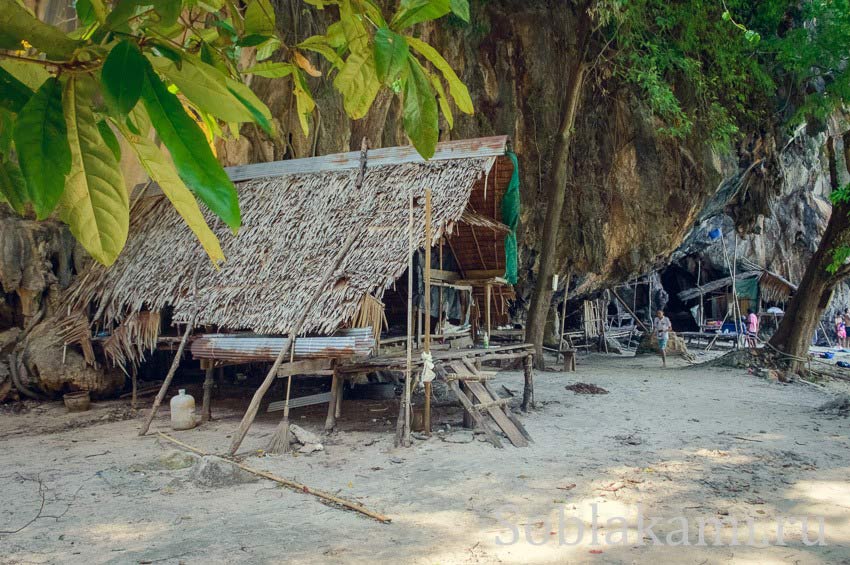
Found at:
<point>662,325</point>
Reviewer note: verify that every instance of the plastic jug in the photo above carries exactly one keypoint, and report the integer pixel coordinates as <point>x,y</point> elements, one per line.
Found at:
<point>182,411</point>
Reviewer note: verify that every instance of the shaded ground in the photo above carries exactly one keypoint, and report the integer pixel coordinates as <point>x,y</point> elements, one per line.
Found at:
<point>685,441</point>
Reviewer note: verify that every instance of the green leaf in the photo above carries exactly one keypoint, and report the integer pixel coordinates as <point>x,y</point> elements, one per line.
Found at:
<point>192,157</point>
<point>41,140</point>
<point>31,75</point>
<point>95,204</point>
<point>458,90</point>
<point>7,126</point>
<point>304,102</point>
<point>122,76</point>
<point>211,57</point>
<point>352,28</point>
<point>12,185</point>
<point>168,11</point>
<point>205,86</point>
<point>460,8</point>
<point>358,83</point>
<point>319,44</point>
<point>412,12</point>
<point>17,24</point>
<point>420,111</point>
<point>90,11</point>
<point>390,54</point>
<point>260,112</point>
<point>161,171</point>
<point>267,49</point>
<point>15,93</point>
<point>164,49</point>
<point>270,70</point>
<point>253,40</point>
<point>445,107</point>
<point>260,18</point>
<point>109,138</point>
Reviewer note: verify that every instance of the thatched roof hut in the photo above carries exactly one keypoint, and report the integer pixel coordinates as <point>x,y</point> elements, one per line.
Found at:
<point>295,214</point>
<point>770,286</point>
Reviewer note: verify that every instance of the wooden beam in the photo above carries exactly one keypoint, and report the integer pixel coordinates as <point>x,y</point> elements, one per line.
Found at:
<point>306,367</point>
<point>427,275</point>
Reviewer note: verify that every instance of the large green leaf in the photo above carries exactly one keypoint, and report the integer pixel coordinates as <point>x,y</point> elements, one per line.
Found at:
<point>12,185</point>
<point>95,204</point>
<point>17,24</point>
<point>412,12</point>
<point>445,107</point>
<point>261,113</point>
<point>168,11</point>
<point>41,140</point>
<point>358,83</point>
<point>304,102</point>
<point>420,111</point>
<point>460,8</point>
<point>259,18</point>
<point>354,31</point>
<point>205,86</point>
<point>162,172</point>
<point>31,75</point>
<point>458,90</point>
<point>14,93</point>
<point>269,69</point>
<point>122,76</point>
<point>267,49</point>
<point>90,11</point>
<point>109,138</point>
<point>191,153</point>
<point>390,54</point>
<point>320,44</point>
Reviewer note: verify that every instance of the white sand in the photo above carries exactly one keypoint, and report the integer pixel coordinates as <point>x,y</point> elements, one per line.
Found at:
<point>690,442</point>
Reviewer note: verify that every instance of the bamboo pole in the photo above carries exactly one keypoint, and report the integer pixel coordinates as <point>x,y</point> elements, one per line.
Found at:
<point>176,362</point>
<point>638,321</point>
<point>251,413</point>
<point>294,485</point>
<point>427,342</point>
<point>564,311</point>
<point>402,437</point>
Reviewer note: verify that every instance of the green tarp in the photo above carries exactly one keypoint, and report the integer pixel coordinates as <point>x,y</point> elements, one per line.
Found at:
<point>748,288</point>
<point>510,217</point>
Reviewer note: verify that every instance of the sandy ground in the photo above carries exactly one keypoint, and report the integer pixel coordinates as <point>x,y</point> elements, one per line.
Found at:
<point>685,443</point>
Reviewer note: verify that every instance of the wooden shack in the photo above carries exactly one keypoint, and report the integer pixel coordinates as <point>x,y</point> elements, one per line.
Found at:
<point>296,214</point>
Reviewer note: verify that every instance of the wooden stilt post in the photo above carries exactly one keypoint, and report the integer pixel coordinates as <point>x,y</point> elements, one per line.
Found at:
<point>427,343</point>
<point>134,376</point>
<point>340,389</point>
<point>160,396</point>
<point>206,408</point>
<point>528,389</point>
<point>488,290</point>
<point>330,419</point>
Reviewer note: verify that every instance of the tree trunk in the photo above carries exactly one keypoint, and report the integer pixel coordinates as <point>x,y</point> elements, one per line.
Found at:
<point>806,308</point>
<point>557,191</point>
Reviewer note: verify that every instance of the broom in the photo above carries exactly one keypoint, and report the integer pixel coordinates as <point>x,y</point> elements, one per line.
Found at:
<point>280,439</point>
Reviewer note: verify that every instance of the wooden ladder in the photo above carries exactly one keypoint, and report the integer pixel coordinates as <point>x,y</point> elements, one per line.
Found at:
<point>483,404</point>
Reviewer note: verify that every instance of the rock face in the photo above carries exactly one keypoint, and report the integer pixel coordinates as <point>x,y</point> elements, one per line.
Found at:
<point>632,199</point>
<point>633,194</point>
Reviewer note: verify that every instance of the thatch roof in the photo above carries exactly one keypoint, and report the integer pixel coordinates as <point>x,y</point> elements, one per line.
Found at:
<point>294,219</point>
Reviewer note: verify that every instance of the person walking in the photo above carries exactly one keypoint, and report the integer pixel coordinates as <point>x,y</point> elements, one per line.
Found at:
<point>662,325</point>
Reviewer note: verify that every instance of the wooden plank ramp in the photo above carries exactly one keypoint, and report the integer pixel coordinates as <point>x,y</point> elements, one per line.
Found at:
<point>485,407</point>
